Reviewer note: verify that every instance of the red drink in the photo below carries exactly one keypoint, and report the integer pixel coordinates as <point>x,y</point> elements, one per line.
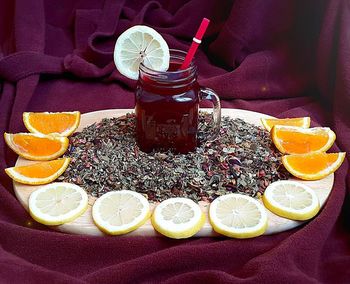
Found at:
<point>167,107</point>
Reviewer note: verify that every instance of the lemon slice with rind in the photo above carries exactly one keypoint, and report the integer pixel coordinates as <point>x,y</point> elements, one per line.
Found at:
<point>238,216</point>
<point>178,218</point>
<point>120,212</point>
<point>140,44</point>
<point>57,203</point>
<point>292,200</point>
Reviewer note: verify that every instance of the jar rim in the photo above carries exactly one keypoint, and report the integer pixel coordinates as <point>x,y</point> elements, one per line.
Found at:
<point>174,53</point>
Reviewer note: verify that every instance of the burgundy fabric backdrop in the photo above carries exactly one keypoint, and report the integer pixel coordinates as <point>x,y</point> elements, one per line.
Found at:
<point>284,58</point>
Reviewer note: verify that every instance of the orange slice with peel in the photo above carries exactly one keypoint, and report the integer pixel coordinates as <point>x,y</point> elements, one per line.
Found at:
<point>60,123</point>
<point>37,147</point>
<point>268,123</point>
<point>298,140</point>
<point>39,173</point>
<point>314,165</point>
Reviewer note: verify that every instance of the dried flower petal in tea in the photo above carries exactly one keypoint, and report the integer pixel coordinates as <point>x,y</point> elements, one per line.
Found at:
<point>106,157</point>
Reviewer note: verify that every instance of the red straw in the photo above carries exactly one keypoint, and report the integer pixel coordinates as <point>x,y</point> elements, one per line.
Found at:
<point>195,43</point>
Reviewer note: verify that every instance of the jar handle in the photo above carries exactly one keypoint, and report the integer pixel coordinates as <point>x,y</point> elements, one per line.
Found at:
<point>210,95</point>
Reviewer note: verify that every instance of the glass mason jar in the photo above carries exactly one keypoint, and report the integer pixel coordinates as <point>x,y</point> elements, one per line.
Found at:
<point>167,105</point>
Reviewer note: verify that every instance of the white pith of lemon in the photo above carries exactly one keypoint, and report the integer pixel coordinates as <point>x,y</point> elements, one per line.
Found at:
<point>140,44</point>
<point>120,212</point>
<point>57,203</point>
<point>238,216</point>
<point>292,200</point>
<point>178,218</point>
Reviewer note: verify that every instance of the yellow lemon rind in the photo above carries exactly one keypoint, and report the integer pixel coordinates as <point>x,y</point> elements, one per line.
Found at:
<point>239,233</point>
<point>167,227</point>
<point>119,59</point>
<point>61,221</point>
<point>101,224</point>
<point>302,215</point>
<point>288,215</point>
<point>179,235</point>
<point>235,235</point>
<point>123,232</point>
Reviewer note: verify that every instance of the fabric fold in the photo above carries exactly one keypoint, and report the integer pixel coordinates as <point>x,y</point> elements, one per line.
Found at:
<point>282,58</point>
<point>28,63</point>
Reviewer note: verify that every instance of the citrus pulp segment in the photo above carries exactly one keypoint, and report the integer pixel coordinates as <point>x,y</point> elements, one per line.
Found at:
<point>292,200</point>
<point>120,212</point>
<point>298,140</point>
<point>314,165</point>
<point>37,147</point>
<point>39,173</point>
<point>57,203</point>
<point>178,218</point>
<point>60,123</point>
<point>268,123</point>
<point>140,44</point>
<point>238,216</point>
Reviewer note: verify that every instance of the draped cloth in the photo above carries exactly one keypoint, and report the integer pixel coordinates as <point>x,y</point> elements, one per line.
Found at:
<point>284,58</point>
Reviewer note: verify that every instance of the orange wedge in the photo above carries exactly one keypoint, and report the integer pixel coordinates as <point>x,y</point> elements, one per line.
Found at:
<point>61,123</point>
<point>298,121</point>
<point>37,147</point>
<point>298,140</point>
<point>39,173</point>
<point>314,165</point>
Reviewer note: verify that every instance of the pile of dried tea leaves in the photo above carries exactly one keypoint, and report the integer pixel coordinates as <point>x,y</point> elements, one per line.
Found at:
<point>242,159</point>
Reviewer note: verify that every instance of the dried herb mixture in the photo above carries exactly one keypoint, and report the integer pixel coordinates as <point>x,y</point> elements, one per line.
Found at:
<point>242,159</point>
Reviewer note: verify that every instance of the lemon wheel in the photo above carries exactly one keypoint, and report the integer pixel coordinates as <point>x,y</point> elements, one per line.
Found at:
<point>140,44</point>
<point>178,218</point>
<point>238,216</point>
<point>57,203</point>
<point>120,212</point>
<point>292,200</point>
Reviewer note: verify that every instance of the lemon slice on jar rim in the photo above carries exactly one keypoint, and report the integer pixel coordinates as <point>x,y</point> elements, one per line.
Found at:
<point>140,44</point>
